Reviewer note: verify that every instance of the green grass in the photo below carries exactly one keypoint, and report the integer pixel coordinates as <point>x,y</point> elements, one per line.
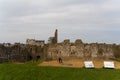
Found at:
<point>29,71</point>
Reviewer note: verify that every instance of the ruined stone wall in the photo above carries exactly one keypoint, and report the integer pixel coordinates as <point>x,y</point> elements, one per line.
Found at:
<point>66,50</point>
<point>21,53</point>
<point>35,42</point>
<point>80,50</point>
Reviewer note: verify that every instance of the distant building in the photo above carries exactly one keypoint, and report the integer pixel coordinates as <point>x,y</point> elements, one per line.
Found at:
<point>35,42</point>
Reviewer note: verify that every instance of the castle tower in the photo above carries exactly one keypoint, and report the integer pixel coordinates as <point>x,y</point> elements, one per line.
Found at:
<point>54,39</point>
<point>56,36</point>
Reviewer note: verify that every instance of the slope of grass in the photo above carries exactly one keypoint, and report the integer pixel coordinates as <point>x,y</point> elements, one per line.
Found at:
<point>29,71</point>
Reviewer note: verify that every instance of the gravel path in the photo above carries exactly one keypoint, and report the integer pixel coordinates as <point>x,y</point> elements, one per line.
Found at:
<point>77,63</point>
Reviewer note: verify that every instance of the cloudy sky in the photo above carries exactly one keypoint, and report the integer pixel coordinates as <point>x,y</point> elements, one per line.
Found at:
<point>89,20</point>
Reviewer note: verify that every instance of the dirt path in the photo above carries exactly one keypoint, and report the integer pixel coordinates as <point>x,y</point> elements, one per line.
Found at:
<point>77,63</point>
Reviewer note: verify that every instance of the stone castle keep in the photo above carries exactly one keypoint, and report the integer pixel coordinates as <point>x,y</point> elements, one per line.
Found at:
<point>38,49</point>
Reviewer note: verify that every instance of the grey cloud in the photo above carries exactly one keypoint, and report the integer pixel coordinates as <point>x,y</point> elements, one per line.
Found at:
<point>25,7</point>
<point>25,17</point>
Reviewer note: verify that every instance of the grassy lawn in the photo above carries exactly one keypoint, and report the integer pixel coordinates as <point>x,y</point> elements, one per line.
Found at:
<point>29,71</point>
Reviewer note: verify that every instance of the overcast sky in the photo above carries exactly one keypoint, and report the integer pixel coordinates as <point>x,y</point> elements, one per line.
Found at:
<point>89,20</point>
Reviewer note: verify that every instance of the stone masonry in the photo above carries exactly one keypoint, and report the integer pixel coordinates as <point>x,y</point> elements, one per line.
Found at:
<point>35,50</point>
<point>78,49</point>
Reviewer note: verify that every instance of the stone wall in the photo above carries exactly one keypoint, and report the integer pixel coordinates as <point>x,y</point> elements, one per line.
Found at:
<point>80,50</point>
<point>35,42</point>
<point>21,53</point>
<point>65,49</point>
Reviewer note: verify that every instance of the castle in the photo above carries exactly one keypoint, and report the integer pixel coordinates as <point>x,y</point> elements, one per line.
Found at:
<point>38,49</point>
<point>78,49</point>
